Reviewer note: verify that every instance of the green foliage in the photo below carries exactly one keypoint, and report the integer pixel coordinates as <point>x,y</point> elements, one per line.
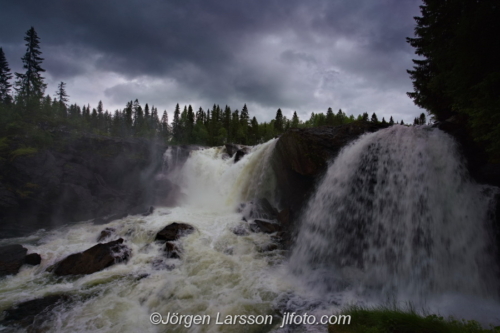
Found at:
<point>37,120</point>
<point>396,320</point>
<point>459,71</point>
<point>22,152</point>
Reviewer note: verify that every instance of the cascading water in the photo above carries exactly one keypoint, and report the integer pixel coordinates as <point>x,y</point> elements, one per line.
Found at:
<point>219,271</point>
<point>397,217</point>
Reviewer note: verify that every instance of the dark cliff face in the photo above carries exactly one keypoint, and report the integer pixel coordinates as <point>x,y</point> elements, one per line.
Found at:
<point>84,178</point>
<point>301,157</point>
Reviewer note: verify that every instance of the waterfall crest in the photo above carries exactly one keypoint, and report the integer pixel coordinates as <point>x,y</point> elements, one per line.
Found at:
<point>397,215</point>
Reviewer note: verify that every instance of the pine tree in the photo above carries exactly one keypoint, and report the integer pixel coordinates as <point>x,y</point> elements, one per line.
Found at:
<point>278,122</point>
<point>295,120</point>
<point>391,121</point>
<point>62,99</point>
<point>374,118</point>
<point>5,76</point>
<point>422,119</point>
<point>176,124</point>
<point>330,117</point>
<point>30,86</point>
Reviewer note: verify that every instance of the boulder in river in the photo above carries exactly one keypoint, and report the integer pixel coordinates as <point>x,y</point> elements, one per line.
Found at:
<point>174,231</point>
<point>12,257</point>
<point>106,233</point>
<point>33,259</point>
<point>94,259</point>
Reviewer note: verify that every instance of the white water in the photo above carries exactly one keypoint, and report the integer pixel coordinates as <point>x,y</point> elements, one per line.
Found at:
<point>421,185</point>
<point>397,218</point>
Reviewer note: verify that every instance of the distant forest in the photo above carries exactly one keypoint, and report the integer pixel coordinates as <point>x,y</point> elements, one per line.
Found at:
<point>26,112</point>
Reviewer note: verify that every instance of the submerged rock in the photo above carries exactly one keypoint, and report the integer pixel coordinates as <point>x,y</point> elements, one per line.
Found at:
<point>173,251</point>
<point>106,233</point>
<point>33,313</point>
<point>94,259</point>
<point>174,231</point>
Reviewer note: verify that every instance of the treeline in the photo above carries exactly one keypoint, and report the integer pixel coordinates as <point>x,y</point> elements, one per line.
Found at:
<point>28,112</point>
<point>459,72</point>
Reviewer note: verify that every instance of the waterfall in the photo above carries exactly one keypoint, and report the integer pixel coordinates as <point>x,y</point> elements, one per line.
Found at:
<point>397,216</point>
<point>212,180</point>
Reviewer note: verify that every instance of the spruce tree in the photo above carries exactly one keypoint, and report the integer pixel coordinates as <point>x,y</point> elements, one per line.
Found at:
<point>30,86</point>
<point>374,118</point>
<point>278,122</point>
<point>5,76</point>
<point>391,121</point>
<point>295,120</point>
<point>176,124</point>
<point>330,117</point>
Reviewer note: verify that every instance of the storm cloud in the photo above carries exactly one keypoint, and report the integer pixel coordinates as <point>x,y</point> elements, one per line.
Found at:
<point>294,55</point>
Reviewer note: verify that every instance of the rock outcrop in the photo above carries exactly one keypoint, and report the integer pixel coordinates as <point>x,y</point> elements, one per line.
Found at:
<point>238,150</point>
<point>94,259</point>
<point>302,155</point>
<point>83,178</point>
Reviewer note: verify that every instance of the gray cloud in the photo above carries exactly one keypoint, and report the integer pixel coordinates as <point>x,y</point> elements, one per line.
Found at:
<point>304,56</point>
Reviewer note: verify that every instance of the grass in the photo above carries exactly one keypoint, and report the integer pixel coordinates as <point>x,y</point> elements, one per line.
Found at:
<point>395,320</point>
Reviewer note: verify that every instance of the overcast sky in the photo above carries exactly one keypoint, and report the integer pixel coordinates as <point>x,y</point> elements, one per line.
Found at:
<point>289,54</point>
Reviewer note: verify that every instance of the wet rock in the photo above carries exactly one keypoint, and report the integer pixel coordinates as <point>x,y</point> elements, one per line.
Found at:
<point>231,149</point>
<point>284,217</point>
<point>301,156</point>
<point>172,250</point>
<point>267,227</point>
<point>150,211</point>
<point>34,313</point>
<point>11,259</point>
<point>240,153</point>
<point>33,259</point>
<point>260,208</point>
<point>240,231</point>
<point>94,259</point>
<point>174,231</point>
<point>106,233</point>
<point>238,150</point>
